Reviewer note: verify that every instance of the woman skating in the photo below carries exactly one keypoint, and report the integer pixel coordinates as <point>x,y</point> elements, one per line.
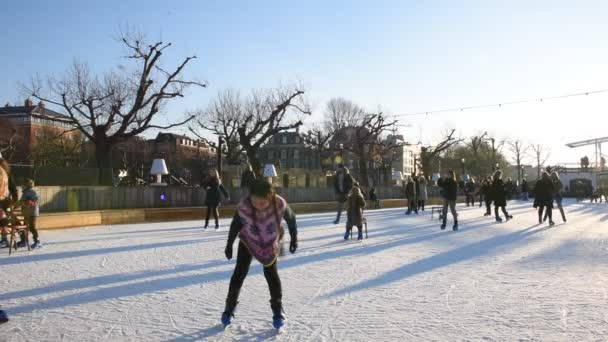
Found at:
<point>215,189</point>
<point>543,197</point>
<point>499,194</point>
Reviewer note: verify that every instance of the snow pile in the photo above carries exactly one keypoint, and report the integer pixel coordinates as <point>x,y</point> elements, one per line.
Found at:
<point>409,281</point>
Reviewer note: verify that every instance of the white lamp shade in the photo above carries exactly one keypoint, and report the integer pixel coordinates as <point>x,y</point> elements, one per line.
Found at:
<point>397,175</point>
<point>269,171</point>
<point>159,167</point>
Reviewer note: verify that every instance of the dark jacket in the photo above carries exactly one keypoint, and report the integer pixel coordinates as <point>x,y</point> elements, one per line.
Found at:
<point>499,193</point>
<point>410,190</point>
<point>214,191</point>
<point>469,188</point>
<point>543,193</point>
<point>355,205</point>
<point>372,195</point>
<point>247,179</point>
<point>524,186</point>
<point>449,187</point>
<point>346,186</point>
<point>486,189</point>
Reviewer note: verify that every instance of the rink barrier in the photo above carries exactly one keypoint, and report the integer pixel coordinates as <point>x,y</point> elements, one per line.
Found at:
<point>130,216</point>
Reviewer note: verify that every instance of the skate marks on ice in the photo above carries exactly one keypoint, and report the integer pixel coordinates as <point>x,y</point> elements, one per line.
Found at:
<point>408,281</point>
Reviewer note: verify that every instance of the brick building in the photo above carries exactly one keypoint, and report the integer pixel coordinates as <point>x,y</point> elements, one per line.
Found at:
<point>186,158</point>
<point>31,122</point>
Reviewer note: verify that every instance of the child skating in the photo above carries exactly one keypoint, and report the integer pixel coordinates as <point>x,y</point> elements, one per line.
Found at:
<point>31,211</point>
<point>355,205</point>
<point>257,222</point>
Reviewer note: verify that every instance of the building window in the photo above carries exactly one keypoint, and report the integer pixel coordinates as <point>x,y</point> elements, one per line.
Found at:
<point>284,140</point>
<point>296,154</point>
<point>297,140</point>
<point>271,155</point>
<point>283,153</point>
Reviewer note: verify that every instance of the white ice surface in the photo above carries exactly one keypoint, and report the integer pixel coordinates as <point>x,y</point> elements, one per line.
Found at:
<point>408,281</point>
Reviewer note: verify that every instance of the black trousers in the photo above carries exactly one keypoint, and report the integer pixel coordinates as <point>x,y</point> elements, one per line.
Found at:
<point>548,213</point>
<point>488,206</point>
<point>211,208</point>
<point>243,261</point>
<point>470,199</point>
<point>504,211</point>
<point>412,205</point>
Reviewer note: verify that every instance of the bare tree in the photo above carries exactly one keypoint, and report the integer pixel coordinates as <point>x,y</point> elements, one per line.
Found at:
<point>341,113</point>
<point>476,143</point>
<point>121,104</point>
<point>430,153</point>
<point>384,154</point>
<point>268,113</point>
<point>318,138</point>
<point>223,116</point>
<point>519,153</point>
<point>495,148</point>
<point>541,155</point>
<point>8,138</point>
<point>365,138</point>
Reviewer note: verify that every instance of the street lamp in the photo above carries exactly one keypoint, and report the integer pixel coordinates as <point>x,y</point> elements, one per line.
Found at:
<point>463,168</point>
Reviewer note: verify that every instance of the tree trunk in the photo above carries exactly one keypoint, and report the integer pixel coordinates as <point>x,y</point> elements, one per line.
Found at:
<point>256,166</point>
<point>103,156</point>
<point>363,181</point>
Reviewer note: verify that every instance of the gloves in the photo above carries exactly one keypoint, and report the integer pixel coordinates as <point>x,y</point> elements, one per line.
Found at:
<point>293,245</point>
<point>228,252</point>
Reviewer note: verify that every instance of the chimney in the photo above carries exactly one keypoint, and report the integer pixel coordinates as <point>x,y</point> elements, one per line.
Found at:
<point>28,102</point>
<point>41,104</point>
<point>298,130</point>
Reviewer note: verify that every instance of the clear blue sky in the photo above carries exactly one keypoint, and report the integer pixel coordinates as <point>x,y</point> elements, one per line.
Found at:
<point>406,56</point>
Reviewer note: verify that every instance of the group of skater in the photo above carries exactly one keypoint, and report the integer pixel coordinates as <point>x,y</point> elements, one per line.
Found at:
<point>493,190</point>
<point>258,217</point>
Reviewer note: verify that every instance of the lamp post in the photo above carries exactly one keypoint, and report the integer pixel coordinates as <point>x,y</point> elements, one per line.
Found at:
<point>463,168</point>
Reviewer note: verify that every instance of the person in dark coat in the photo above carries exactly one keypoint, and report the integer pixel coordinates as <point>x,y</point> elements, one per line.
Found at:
<point>469,191</point>
<point>342,186</point>
<point>247,178</point>
<point>510,188</point>
<point>449,191</point>
<point>524,189</point>
<point>354,212</point>
<point>543,197</point>
<point>214,188</point>
<point>499,192</point>
<point>410,195</point>
<point>374,197</point>
<point>486,190</point>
